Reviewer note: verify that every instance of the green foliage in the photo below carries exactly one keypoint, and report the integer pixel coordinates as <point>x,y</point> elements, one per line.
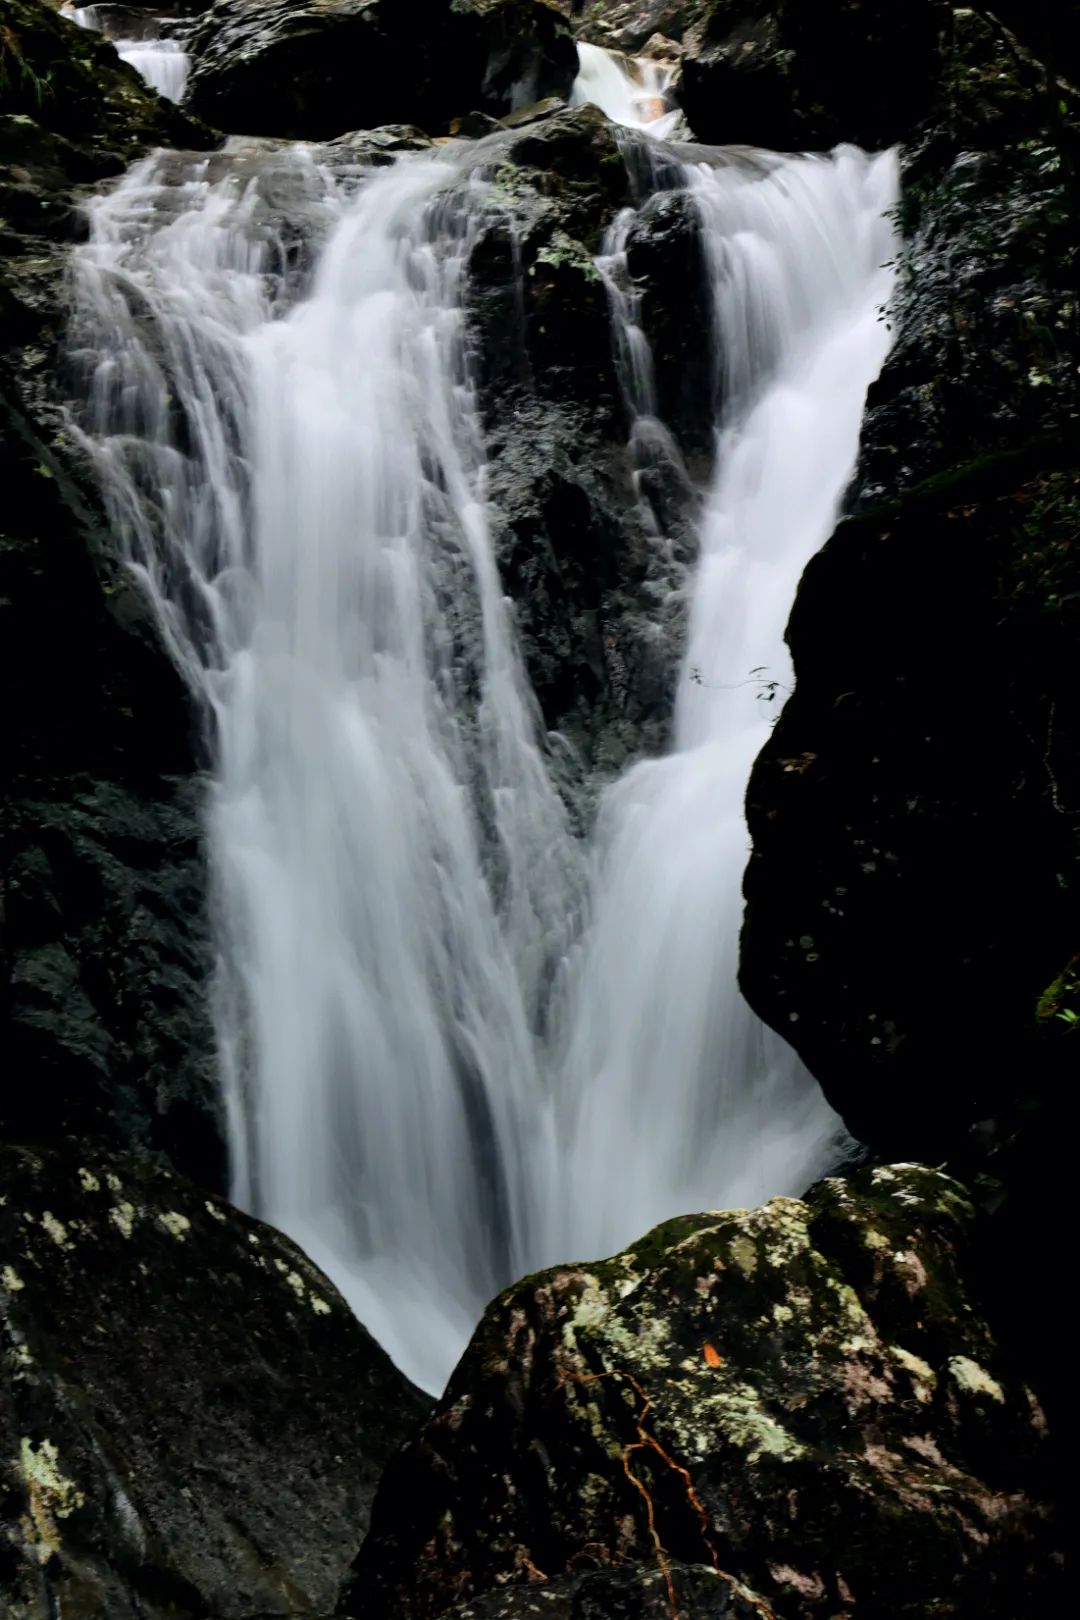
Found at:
<point>21,89</point>
<point>1060,1002</point>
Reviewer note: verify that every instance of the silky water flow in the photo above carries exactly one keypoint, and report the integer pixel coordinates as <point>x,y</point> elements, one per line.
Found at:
<point>457,1043</point>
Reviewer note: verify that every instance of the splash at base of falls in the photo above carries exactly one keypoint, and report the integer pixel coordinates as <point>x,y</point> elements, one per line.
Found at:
<point>457,1044</point>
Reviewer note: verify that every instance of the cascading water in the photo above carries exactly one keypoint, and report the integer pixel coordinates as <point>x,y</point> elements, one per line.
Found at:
<point>163,63</point>
<point>400,899</point>
<point>658,1032</point>
<point>631,90</point>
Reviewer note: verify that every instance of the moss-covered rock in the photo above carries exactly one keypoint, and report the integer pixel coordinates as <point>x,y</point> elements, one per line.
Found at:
<point>804,1397</point>
<point>191,1419</point>
<point>312,70</point>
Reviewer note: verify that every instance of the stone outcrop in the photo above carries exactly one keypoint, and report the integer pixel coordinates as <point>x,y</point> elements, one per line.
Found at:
<point>933,724</point>
<point>912,889</point>
<point>191,1419</point>
<point>103,952</point>
<point>572,535</point>
<point>316,69</point>
<point>804,1398</point>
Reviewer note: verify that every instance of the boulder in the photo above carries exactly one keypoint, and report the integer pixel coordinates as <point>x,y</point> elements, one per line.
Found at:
<point>191,1419</point>
<point>315,69</point>
<point>804,1398</point>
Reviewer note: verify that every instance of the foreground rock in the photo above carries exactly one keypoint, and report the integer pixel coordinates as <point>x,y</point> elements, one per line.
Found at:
<point>191,1420</point>
<point>313,70</point>
<point>804,1398</point>
<point>694,1591</point>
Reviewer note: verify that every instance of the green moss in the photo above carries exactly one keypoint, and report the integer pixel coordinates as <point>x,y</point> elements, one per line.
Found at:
<point>1060,1001</point>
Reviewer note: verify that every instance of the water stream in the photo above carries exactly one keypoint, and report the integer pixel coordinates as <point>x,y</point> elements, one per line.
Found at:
<point>458,1044</point>
<point>162,62</point>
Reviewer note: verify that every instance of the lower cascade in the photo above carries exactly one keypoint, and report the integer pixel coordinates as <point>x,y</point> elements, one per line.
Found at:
<point>459,1043</point>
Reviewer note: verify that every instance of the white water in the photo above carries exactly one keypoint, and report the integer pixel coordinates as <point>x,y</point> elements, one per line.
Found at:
<point>456,1045</point>
<point>161,62</point>
<point>676,1091</point>
<point>631,91</point>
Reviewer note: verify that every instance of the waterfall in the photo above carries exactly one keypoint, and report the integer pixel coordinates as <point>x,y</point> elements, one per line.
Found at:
<point>295,463</point>
<point>163,63</point>
<point>630,90</point>
<point>658,1032</point>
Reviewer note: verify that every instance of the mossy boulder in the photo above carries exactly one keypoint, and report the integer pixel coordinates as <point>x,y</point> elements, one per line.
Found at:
<point>191,1420</point>
<point>805,1398</point>
<point>312,70</point>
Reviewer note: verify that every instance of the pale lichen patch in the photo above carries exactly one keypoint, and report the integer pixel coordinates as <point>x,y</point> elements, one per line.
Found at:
<point>320,1306</point>
<point>56,1230</point>
<point>744,1254</point>
<point>214,1212</point>
<point>973,1380</point>
<point>113,1182</point>
<point>11,1280</point>
<point>177,1225</point>
<point>123,1218</point>
<point>746,1424</point>
<point>52,1495</point>
<point>88,1181</point>
<point>922,1374</point>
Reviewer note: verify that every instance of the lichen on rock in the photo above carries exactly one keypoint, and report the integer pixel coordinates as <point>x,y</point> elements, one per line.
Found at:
<point>190,1422</point>
<point>832,1426</point>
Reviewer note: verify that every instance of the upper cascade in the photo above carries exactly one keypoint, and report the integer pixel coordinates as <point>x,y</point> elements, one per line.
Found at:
<point>630,90</point>
<point>163,63</point>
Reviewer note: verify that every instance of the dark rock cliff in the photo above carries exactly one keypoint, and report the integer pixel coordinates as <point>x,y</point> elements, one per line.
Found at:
<point>315,69</point>
<point>913,887</point>
<point>103,944</point>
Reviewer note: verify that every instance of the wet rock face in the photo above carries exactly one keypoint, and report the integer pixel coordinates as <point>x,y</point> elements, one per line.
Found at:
<point>805,74</point>
<point>103,953</point>
<point>313,70</point>
<point>191,1420</point>
<point>934,722</point>
<point>791,75</point>
<point>912,888</point>
<point>594,586</point>
<point>804,1398</point>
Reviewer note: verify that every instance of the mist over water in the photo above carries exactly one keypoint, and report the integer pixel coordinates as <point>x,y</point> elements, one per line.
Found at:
<point>457,1043</point>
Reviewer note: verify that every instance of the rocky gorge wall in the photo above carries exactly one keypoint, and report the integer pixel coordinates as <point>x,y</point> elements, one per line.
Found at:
<point>699,1427</point>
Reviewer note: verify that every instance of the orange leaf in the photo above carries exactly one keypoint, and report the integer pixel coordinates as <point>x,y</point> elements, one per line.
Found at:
<point>712,1356</point>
